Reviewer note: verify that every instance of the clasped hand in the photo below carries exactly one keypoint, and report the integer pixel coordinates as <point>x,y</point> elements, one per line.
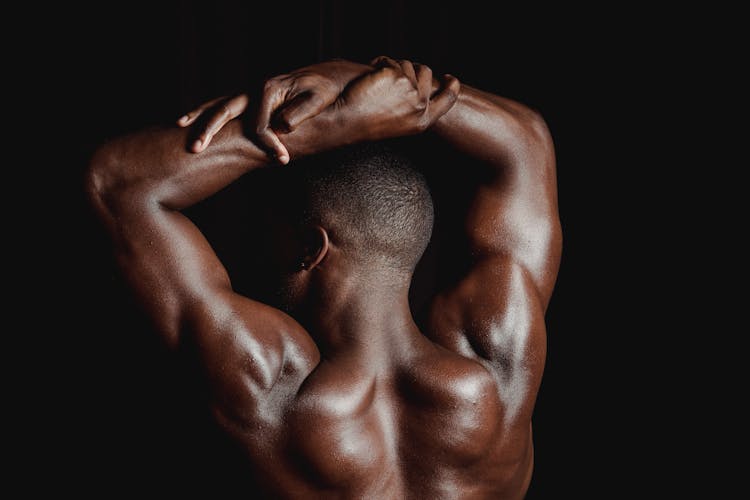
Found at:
<point>385,99</point>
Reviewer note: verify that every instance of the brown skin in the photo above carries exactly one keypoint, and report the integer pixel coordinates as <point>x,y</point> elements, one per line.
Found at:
<point>346,397</point>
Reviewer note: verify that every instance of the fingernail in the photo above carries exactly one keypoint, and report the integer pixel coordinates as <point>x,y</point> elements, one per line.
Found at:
<point>183,119</point>
<point>284,159</point>
<point>197,144</point>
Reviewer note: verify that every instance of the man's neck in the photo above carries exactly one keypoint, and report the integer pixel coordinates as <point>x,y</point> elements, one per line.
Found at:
<point>365,319</point>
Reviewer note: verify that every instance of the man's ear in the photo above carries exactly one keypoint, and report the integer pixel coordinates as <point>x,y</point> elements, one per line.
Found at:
<point>316,246</point>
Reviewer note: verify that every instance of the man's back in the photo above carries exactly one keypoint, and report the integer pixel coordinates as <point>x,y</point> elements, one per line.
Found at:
<point>427,424</point>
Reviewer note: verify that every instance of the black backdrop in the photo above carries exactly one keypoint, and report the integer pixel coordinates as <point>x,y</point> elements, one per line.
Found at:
<point>125,412</point>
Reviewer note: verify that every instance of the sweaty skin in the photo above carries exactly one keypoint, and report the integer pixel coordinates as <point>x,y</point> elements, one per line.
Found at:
<point>348,398</point>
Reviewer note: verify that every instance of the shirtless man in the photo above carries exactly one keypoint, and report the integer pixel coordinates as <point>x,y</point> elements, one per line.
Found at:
<point>340,394</point>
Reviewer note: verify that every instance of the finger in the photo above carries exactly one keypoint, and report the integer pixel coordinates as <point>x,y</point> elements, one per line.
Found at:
<point>302,107</point>
<point>445,97</point>
<point>229,110</point>
<point>408,68</point>
<point>190,117</point>
<point>377,61</point>
<point>424,80</point>
<point>386,64</point>
<point>385,61</point>
<point>283,154</point>
<point>272,98</point>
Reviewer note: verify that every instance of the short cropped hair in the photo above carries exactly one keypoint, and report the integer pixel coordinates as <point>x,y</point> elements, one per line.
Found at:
<point>371,199</point>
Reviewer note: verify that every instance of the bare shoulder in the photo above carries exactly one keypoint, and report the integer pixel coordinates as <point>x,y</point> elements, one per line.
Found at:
<point>444,390</point>
<point>252,354</point>
<point>444,376</point>
<point>333,391</point>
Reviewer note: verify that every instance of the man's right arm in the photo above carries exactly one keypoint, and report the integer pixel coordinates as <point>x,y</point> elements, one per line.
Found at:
<point>495,311</point>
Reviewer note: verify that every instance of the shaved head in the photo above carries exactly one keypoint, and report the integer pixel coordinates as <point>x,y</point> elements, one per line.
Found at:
<point>372,201</point>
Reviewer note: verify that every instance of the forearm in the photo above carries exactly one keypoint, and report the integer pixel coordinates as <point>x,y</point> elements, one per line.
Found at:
<point>495,130</point>
<point>498,131</point>
<point>323,132</point>
<point>154,166</point>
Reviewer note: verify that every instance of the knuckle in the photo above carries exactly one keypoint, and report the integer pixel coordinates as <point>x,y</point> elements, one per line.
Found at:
<point>402,79</point>
<point>421,103</point>
<point>285,120</point>
<point>269,85</point>
<point>424,122</point>
<point>390,71</point>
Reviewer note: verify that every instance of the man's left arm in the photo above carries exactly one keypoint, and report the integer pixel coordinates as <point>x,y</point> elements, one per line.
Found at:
<point>137,185</point>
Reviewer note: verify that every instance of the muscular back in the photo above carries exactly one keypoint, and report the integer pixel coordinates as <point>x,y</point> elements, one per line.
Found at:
<point>428,425</point>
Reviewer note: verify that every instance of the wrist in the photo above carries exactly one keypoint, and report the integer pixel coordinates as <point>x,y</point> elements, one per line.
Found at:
<point>449,116</point>
<point>325,131</point>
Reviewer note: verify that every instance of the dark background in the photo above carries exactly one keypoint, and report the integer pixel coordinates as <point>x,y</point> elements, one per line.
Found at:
<point>594,76</point>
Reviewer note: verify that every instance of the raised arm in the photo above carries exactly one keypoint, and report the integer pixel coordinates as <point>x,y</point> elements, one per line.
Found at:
<point>137,185</point>
<point>495,311</point>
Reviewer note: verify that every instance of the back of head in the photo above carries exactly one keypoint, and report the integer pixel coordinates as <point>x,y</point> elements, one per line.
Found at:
<point>372,201</point>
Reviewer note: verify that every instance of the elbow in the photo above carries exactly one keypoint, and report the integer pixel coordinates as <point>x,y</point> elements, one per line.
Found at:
<point>103,167</point>
<point>537,131</point>
<point>104,181</point>
<point>98,176</point>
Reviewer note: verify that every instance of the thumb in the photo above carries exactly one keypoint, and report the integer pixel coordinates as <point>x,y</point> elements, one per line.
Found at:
<point>302,107</point>
<point>445,98</point>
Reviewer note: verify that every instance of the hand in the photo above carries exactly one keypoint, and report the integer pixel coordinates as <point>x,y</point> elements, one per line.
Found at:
<point>396,99</point>
<point>287,101</point>
<point>221,110</point>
